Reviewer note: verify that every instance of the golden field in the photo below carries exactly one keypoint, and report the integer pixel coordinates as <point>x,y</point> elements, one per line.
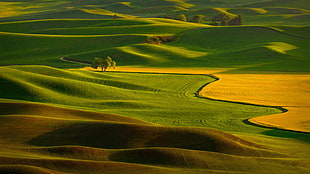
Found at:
<point>288,91</point>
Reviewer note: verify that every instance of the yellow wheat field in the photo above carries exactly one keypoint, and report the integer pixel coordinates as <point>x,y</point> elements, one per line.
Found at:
<point>161,70</point>
<point>289,91</point>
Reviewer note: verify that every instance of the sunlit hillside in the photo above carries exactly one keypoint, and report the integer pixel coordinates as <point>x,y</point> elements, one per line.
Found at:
<point>278,48</point>
<point>200,86</point>
<point>281,12</point>
<point>158,98</point>
<point>42,129</point>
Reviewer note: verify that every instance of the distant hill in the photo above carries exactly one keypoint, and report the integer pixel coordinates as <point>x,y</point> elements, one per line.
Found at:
<point>278,48</point>
<point>274,36</point>
<point>254,12</point>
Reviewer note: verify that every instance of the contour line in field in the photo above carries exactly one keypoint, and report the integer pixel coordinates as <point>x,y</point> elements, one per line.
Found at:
<point>287,92</point>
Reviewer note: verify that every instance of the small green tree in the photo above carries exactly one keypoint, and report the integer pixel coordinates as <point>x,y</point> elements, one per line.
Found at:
<point>198,18</point>
<point>181,17</point>
<point>223,18</point>
<point>235,21</point>
<point>240,20</point>
<point>104,64</point>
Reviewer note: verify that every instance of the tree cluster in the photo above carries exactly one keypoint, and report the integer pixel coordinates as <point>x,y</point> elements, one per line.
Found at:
<point>182,17</point>
<point>195,19</point>
<point>116,16</point>
<point>104,64</point>
<point>159,39</point>
<point>222,19</point>
<point>226,19</point>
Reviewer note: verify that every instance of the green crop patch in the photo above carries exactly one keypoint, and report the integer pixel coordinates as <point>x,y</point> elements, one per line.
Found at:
<point>253,12</point>
<point>39,108</point>
<point>108,30</point>
<point>247,46</point>
<point>47,49</point>
<point>32,26</point>
<point>206,47</point>
<point>159,98</point>
<point>45,41</point>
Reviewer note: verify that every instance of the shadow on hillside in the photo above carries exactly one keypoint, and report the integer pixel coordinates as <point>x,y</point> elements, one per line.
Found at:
<point>112,135</point>
<point>288,134</point>
<point>275,132</point>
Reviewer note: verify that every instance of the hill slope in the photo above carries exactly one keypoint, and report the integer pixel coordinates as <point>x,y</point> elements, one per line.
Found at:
<point>254,12</point>
<point>279,48</point>
<point>151,97</point>
<point>38,138</point>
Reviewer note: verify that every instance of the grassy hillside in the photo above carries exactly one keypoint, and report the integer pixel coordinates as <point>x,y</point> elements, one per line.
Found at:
<point>45,41</point>
<point>54,120</point>
<point>158,98</point>
<point>250,48</point>
<point>278,48</point>
<point>50,139</point>
<point>274,48</point>
<point>282,12</point>
<point>46,138</point>
<point>45,49</point>
<point>262,12</point>
<point>259,48</point>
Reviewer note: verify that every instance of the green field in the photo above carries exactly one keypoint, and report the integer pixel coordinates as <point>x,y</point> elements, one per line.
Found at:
<point>277,48</point>
<point>158,98</point>
<point>57,118</point>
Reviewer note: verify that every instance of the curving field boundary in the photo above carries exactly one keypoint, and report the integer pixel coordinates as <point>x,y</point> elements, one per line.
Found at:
<point>270,90</point>
<point>287,92</point>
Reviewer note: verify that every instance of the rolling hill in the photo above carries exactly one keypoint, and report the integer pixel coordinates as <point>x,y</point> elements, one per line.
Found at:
<point>254,12</point>
<point>274,48</point>
<point>46,141</point>
<point>58,120</point>
<point>151,97</point>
